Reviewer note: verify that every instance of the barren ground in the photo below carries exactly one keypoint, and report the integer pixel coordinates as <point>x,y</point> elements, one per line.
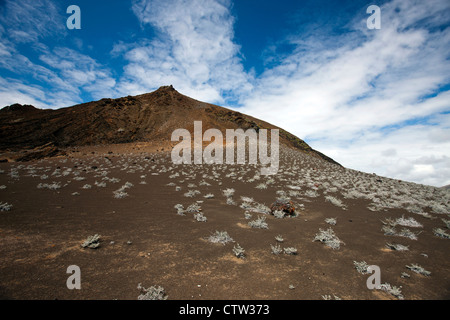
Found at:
<point>144,240</point>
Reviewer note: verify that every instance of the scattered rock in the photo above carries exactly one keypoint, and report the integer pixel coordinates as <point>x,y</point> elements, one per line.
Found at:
<point>283,205</point>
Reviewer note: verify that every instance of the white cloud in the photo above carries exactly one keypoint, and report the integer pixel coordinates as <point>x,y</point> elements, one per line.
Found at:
<point>364,97</point>
<point>30,21</point>
<point>50,77</point>
<point>194,50</point>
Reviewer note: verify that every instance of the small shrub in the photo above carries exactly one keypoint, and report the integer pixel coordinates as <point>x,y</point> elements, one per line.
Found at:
<point>261,186</point>
<point>446,222</point>
<point>328,238</point>
<point>276,249</point>
<point>228,192</point>
<point>239,251</point>
<point>52,186</point>
<point>180,209</point>
<point>193,208</point>
<point>278,214</point>
<point>408,222</point>
<point>393,290</point>
<point>418,269</point>
<point>100,184</point>
<point>290,251</point>
<point>191,193</point>
<point>220,237</point>
<point>328,297</point>
<point>5,206</point>
<point>331,221</point>
<point>200,217</point>
<point>120,194</point>
<point>92,242</point>
<point>405,275</point>
<point>361,267</point>
<point>439,232</point>
<point>389,230</point>
<point>397,247</point>
<point>408,234</point>
<point>259,223</point>
<point>152,293</point>
<point>335,201</point>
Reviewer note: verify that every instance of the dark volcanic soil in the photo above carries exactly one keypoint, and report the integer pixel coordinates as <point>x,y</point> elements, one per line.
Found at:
<point>144,240</point>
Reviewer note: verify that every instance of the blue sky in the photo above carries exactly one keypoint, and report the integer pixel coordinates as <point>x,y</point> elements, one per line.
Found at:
<point>374,100</point>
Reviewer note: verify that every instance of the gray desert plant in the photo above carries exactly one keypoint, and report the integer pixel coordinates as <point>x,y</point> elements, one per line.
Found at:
<point>405,275</point>
<point>239,251</point>
<point>220,237</point>
<point>393,290</point>
<point>180,209</point>
<point>331,221</point>
<point>52,186</point>
<point>152,293</point>
<point>261,186</point>
<point>439,232</point>
<point>418,269</point>
<point>200,217</point>
<point>276,249</point>
<point>290,251</point>
<point>193,208</point>
<point>335,201</point>
<point>446,222</point>
<point>92,242</point>
<point>397,247</point>
<point>328,238</point>
<point>389,230</point>
<point>191,193</point>
<point>408,234</point>
<point>4,206</point>
<point>100,184</point>
<point>259,223</point>
<point>261,208</point>
<point>328,297</point>
<point>228,192</point>
<point>278,214</point>
<point>408,222</point>
<point>361,267</point>
<point>120,194</point>
<point>279,238</point>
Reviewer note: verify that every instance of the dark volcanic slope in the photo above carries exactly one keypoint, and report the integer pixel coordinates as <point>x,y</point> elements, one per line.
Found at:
<point>148,117</point>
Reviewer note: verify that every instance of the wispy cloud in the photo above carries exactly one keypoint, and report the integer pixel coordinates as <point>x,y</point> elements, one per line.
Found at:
<point>194,50</point>
<point>341,100</point>
<point>30,21</point>
<point>41,73</point>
